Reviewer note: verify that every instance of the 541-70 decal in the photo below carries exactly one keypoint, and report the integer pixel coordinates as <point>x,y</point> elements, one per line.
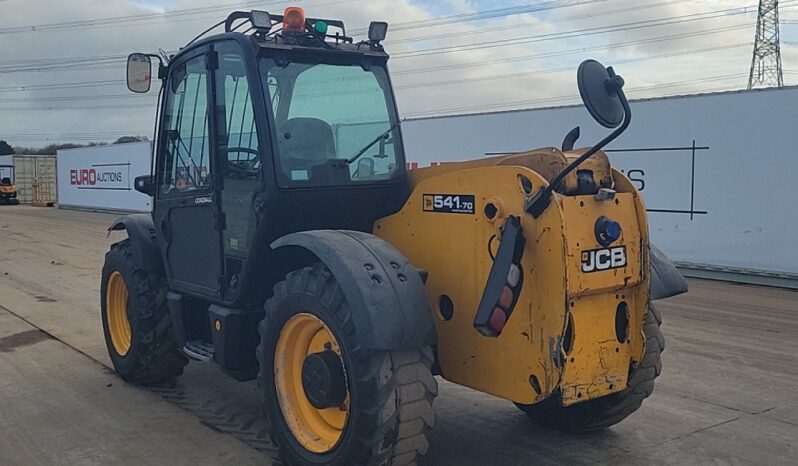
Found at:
<point>449,203</point>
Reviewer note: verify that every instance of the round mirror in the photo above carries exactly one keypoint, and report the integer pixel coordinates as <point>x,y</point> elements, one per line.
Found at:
<point>598,95</point>
<point>138,72</point>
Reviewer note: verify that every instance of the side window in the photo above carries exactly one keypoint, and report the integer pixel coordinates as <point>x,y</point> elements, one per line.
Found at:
<point>274,92</point>
<point>186,166</point>
<point>240,134</point>
<point>238,147</point>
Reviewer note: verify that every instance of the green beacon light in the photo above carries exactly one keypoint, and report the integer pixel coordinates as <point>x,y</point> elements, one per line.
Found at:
<point>321,27</point>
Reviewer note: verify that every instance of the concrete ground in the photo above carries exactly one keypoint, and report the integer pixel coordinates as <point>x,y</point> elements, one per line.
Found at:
<point>726,396</point>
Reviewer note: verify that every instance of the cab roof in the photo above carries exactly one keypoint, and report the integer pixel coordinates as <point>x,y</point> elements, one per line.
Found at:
<point>269,32</point>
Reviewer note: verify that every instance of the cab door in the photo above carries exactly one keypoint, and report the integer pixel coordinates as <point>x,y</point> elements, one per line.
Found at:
<point>241,157</point>
<point>186,211</point>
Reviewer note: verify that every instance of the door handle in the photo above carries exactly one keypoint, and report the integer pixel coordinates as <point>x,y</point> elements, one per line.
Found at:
<point>259,205</point>
<point>167,232</point>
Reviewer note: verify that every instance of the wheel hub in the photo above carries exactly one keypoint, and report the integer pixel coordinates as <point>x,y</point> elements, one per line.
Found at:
<point>310,377</point>
<point>117,315</point>
<point>323,379</point>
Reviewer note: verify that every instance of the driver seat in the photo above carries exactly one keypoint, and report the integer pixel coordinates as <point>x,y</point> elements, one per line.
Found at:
<point>308,139</point>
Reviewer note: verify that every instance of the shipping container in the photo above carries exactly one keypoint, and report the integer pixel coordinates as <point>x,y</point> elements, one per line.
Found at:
<point>36,177</point>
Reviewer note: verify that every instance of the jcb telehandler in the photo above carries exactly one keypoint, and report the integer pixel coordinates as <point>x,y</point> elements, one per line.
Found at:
<point>289,243</point>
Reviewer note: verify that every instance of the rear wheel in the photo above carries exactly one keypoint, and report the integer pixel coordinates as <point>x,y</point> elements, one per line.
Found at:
<point>136,321</point>
<point>604,412</point>
<point>328,400</point>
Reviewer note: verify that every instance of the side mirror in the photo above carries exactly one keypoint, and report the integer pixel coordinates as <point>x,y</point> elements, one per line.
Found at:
<point>145,184</point>
<point>602,92</point>
<point>600,89</point>
<point>139,72</point>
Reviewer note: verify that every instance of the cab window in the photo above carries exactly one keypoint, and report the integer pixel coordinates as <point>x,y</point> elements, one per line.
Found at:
<point>237,137</point>
<point>186,165</point>
<point>325,114</point>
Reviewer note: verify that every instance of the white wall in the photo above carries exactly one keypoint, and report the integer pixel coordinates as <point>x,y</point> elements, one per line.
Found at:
<point>743,203</point>
<point>102,177</point>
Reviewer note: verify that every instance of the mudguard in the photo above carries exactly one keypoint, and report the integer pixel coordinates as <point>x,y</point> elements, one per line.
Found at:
<point>144,242</point>
<point>384,290</point>
<point>666,281</point>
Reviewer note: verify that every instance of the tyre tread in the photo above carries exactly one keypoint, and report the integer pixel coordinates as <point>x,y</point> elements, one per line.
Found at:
<point>604,412</point>
<point>158,359</point>
<point>397,387</point>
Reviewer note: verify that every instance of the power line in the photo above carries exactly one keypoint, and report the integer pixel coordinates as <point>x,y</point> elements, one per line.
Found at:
<point>426,83</point>
<point>109,61</point>
<point>527,102</point>
<point>77,61</point>
<point>84,84</point>
<point>93,107</point>
<point>505,28</point>
<point>81,97</point>
<point>89,23</point>
<point>431,22</point>
<point>651,40</point>
<point>57,86</point>
<point>565,98</point>
<point>117,107</point>
<point>480,15</point>
<point>642,24</point>
<point>562,98</point>
<point>449,82</point>
<point>548,100</point>
<point>37,64</point>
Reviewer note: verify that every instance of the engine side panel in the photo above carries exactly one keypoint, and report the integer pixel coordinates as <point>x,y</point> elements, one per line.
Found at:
<point>534,356</point>
<point>456,248</point>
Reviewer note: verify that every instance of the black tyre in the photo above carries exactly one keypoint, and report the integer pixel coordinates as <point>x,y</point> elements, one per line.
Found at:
<point>328,400</point>
<point>604,412</point>
<point>136,321</point>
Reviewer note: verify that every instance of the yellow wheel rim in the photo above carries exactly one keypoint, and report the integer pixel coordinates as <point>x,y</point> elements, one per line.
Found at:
<point>317,430</point>
<point>116,313</point>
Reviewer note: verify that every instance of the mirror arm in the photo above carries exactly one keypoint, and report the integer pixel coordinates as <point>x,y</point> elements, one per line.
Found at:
<point>163,71</point>
<point>538,203</point>
<point>155,55</point>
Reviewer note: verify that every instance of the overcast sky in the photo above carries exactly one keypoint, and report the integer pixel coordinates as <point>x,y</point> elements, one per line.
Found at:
<point>505,61</point>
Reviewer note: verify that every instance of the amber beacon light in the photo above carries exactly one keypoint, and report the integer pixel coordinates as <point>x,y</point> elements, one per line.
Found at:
<point>294,19</point>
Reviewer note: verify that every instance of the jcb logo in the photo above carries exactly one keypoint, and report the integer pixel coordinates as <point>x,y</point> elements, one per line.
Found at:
<point>597,260</point>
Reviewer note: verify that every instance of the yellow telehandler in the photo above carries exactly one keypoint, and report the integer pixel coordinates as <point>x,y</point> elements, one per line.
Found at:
<point>289,243</point>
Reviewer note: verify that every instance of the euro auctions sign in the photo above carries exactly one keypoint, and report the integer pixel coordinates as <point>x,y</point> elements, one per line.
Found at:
<point>102,177</point>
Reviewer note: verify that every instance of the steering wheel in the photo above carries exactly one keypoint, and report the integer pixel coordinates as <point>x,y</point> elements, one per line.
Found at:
<point>236,166</point>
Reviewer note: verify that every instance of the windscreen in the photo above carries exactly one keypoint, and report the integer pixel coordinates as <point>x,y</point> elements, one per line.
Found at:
<point>326,115</point>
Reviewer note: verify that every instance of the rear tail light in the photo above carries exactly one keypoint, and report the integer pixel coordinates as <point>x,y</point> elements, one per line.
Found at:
<point>497,320</point>
<point>504,281</point>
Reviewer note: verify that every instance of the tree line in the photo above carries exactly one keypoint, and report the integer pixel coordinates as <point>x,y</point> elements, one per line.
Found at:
<point>51,149</point>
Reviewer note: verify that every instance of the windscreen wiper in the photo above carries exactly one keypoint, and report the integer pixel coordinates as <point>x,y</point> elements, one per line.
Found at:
<point>375,141</point>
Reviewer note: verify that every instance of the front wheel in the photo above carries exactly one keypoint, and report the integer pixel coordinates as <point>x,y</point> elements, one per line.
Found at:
<point>136,322</point>
<point>328,400</point>
<point>604,412</point>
